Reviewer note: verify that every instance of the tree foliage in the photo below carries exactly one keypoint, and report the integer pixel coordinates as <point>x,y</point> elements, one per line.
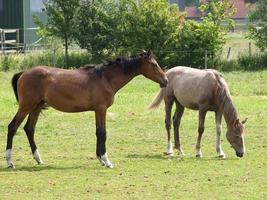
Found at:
<point>111,28</point>
<point>258,24</point>
<point>154,25</point>
<point>208,35</point>
<point>61,15</point>
<point>95,27</point>
<point>106,27</point>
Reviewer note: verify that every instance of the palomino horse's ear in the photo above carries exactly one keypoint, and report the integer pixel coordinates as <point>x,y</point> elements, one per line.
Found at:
<point>143,51</point>
<point>236,122</point>
<point>244,121</point>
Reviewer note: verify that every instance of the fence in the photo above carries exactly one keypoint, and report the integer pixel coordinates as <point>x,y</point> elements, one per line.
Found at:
<point>203,58</point>
<point>9,40</point>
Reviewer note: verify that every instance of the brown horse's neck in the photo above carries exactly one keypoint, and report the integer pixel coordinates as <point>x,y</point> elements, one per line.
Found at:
<point>226,106</point>
<point>118,78</point>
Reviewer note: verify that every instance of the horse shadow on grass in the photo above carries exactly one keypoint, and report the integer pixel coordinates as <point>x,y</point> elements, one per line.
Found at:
<point>187,158</point>
<point>41,168</point>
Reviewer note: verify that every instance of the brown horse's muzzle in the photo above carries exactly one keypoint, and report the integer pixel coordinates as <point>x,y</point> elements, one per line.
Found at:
<point>164,83</point>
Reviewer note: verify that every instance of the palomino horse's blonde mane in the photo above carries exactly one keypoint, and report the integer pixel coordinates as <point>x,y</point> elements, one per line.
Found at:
<point>224,100</point>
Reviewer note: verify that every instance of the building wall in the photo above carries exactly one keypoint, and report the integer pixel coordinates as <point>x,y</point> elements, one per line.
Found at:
<point>32,8</point>
<point>11,15</point>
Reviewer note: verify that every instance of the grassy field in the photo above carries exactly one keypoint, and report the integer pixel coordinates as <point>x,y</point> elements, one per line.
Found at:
<point>239,45</point>
<point>136,142</point>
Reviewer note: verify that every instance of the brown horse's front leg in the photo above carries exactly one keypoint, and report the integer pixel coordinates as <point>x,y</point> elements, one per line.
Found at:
<point>101,138</point>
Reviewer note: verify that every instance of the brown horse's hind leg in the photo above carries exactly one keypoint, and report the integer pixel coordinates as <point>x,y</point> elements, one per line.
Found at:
<point>176,124</point>
<point>30,128</point>
<point>168,109</point>
<point>101,154</point>
<point>12,128</point>
<point>201,127</point>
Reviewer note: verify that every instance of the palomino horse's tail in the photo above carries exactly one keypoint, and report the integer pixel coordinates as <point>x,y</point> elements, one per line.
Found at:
<point>14,83</point>
<point>157,100</point>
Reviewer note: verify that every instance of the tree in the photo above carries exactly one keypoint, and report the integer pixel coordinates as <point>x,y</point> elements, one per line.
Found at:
<point>210,34</point>
<point>258,24</point>
<point>61,15</point>
<point>114,27</point>
<point>97,27</point>
<point>153,25</point>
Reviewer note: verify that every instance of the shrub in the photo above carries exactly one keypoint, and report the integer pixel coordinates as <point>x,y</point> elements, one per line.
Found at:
<point>25,61</point>
<point>253,62</point>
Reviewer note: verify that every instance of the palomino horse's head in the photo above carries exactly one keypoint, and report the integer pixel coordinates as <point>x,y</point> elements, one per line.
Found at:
<point>235,136</point>
<point>151,69</point>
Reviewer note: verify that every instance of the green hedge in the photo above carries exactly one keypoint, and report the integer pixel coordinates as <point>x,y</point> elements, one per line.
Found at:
<point>25,61</point>
<point>254,62</point>
<point>77,59</point>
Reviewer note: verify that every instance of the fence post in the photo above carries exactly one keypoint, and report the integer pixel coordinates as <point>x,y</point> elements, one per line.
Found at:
<point>2,40</point>
<point>17,40</point>
<point>228,53</point>
<point>206,59</point>
<point>249,49</point>
<point>54,57</point>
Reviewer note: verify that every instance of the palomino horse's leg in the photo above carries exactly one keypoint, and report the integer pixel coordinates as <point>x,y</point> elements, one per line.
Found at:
<point>168,109</point>
<point>176,125</point>
<point>218,119</point>
<point>202,115</point>
<point>12,128</point>
<point>29,129</point>
<point>101,138</point>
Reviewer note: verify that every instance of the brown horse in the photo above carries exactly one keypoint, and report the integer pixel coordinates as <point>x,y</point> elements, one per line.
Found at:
<point>202,90</point>
<point>91,88</point>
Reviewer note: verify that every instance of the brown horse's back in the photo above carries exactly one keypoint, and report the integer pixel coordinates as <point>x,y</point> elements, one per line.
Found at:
<point>64,90</point>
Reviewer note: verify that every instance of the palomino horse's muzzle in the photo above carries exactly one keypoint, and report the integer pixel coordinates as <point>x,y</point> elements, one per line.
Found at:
<point>239,154</point>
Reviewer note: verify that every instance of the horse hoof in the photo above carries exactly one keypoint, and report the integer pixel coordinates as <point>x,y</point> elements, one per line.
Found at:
<point>11,166</point>
<point>110,166</point>
<point>168,153</point>
<point>40,162</point>
<point>222,156</point>
<point>198,156</point>
<point>181,153</point>
<point>101,161</point>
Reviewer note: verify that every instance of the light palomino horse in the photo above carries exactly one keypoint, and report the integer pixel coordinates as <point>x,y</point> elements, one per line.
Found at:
<point>91,88</point>
<point>202,90</point>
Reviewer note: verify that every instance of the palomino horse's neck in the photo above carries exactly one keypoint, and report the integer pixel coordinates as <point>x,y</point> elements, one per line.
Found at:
<point>118,78</point>
<point>226,106</point>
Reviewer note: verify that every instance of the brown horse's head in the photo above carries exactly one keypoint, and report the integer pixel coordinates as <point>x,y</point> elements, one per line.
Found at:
<point>235,136</point>
<point>151,69</point>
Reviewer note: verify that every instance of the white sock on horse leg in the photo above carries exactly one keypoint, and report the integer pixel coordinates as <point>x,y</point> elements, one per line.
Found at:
<point>198,153</point>
<point>169,148</point>
<point>37,157</point>
<point>105,161</point>
<point>9,158</point>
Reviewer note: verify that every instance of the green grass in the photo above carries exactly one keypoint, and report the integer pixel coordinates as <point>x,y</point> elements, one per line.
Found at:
<point>136,142</point>
<point>239,45</point>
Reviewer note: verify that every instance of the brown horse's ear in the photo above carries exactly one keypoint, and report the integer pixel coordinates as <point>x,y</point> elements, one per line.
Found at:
<point>149,53</point>
<point>244,121</point>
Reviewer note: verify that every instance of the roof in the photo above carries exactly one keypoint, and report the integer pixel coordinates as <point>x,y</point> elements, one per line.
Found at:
<point>240,5</point>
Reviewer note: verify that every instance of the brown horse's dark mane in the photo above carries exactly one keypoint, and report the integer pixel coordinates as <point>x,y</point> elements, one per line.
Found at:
<point>127,64</point>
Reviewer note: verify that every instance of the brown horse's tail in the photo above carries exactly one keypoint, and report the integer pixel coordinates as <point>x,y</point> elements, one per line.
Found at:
<point>157,100</point>
<point>15,83</point>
